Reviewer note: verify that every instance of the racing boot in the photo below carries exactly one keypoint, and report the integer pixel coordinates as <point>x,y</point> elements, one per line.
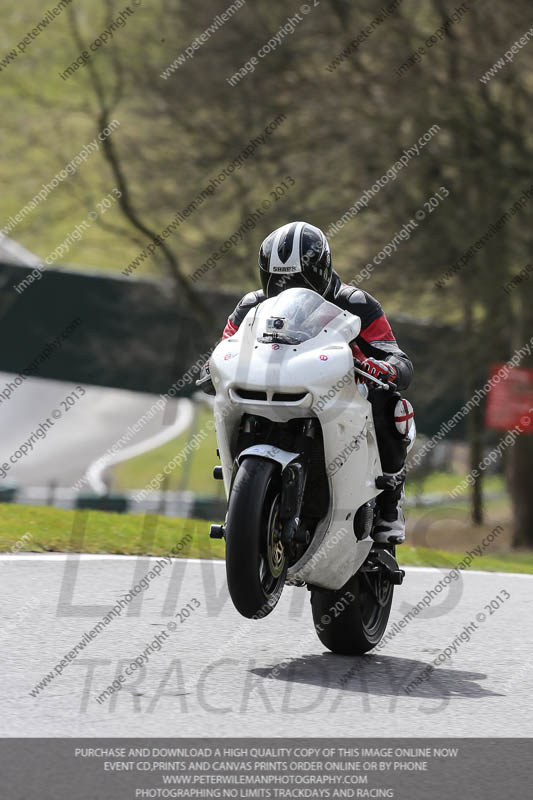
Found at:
<point>389,524</point>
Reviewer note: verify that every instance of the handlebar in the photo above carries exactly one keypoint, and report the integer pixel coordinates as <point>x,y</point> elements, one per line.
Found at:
<point>389,387</point>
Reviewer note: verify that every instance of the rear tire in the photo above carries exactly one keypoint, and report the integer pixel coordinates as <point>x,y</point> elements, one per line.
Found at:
<point>256,561</point>
<point>353,626</point>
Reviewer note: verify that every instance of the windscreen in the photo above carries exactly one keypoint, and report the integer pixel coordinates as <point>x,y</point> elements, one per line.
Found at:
<point>296,316</point>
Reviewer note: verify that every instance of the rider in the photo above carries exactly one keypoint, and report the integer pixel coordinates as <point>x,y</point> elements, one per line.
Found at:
<point>298,255</point>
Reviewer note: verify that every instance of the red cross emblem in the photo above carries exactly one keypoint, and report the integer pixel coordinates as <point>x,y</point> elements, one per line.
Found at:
<point>403,416</point>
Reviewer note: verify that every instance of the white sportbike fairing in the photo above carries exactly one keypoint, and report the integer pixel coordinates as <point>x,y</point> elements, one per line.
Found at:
<point>287,375</point>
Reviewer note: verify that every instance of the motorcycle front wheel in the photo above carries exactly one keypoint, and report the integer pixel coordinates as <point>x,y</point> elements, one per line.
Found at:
<point>256,560</point>
<point>352,620</point>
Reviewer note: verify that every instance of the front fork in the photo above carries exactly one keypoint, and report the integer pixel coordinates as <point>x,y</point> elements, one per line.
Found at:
<point>291,530</point>
<point>292,495</point>
<point>293,484</point>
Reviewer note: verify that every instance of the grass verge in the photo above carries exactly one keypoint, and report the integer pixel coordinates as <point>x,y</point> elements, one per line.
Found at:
<point>36,529</point>
<point>47,529</point>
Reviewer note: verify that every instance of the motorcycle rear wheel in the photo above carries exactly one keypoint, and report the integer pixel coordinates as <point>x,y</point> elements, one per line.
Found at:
<point>256,560</point>
<point>353,626</point>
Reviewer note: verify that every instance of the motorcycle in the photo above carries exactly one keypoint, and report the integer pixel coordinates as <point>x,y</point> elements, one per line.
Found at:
<point>301,470</point>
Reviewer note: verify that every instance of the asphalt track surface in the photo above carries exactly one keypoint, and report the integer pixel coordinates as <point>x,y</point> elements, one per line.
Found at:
<point>80,434</point>
<point>217,674</point>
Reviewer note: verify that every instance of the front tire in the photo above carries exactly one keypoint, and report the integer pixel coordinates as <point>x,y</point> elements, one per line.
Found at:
<point>353,626</point>
<point>256,560</point>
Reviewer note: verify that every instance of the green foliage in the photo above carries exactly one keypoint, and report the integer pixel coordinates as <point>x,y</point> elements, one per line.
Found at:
<point>343,130</point>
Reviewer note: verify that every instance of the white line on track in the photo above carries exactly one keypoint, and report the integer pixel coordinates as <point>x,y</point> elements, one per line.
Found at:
<point>95,470</point>
<point>116,557</point>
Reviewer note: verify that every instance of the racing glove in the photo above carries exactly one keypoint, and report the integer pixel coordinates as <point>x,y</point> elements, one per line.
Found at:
<point>378,369</point>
